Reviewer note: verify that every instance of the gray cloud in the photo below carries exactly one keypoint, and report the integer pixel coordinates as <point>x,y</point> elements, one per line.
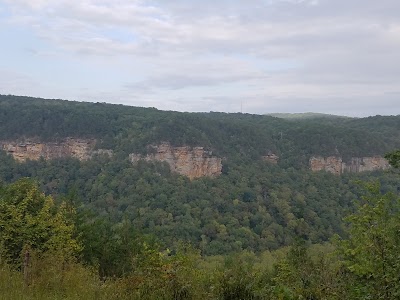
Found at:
<point>214,53</point>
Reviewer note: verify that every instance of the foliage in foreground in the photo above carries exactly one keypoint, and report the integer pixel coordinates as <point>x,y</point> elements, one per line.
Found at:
<point>364,266</point>
<point>372,251</point>
<point>31,220</point>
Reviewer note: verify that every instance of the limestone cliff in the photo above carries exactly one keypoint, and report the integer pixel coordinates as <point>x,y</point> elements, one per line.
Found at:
<point>336,165</point>
<point>330,164</point>
<point>81,149</point>
<point>192,162</point>
<point>270,157</point>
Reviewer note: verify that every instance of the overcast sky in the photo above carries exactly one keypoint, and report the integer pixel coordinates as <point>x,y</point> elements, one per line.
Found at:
<point>332,56</point>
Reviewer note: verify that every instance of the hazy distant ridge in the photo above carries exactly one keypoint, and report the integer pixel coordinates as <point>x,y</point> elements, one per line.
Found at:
<point>307,115</point>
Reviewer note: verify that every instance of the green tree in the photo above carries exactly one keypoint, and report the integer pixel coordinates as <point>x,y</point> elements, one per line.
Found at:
<point>372,251</point>
<point>30,219</point>
<point>394,158</point>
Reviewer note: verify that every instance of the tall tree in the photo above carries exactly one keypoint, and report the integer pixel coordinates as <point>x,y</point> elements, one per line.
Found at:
<point>30,219</point>
<point>372,251</point>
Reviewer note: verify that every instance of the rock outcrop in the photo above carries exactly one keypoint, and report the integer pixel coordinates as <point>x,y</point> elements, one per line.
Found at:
<point>270,157</point>
<point>81,149</point>
<point>337,166</point>
<point>364,164</point>
<point>192,162</point>
<point>330,164</point>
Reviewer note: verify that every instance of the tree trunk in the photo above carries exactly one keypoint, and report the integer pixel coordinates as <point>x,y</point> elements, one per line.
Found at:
<point>26,267</point>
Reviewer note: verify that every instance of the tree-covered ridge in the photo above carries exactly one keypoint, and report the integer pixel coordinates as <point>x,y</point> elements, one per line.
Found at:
<point>253,205</point>
<point>234,136</point>
<point>307,115</point>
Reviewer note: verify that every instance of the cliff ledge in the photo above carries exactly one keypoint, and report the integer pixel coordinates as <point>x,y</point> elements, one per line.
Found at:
<point>337,166</point>
<point>192,162</point>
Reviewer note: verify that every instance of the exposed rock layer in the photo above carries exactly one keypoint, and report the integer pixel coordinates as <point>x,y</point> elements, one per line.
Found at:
<point>81,149</point>
<point>271,158</point>
<point>336,165</point>
<point>192,162</point>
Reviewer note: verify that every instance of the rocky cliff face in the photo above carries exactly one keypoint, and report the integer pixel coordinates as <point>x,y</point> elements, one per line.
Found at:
<point>70,147</point>
<point>336,165</point>
<point>192,162</point>
<point>330,164</point>
<point>270,157</point>
<point>366,164</point>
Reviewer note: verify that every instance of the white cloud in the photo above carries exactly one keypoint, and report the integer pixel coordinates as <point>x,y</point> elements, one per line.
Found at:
<point>202,50</point>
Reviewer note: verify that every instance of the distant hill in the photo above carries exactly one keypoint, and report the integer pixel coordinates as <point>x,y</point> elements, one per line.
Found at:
<point>307,115</point>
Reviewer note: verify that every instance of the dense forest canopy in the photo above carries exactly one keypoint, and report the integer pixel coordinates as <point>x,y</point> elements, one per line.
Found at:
<point>118,230</point>
<point>132,128</point>
<point>253,205</point>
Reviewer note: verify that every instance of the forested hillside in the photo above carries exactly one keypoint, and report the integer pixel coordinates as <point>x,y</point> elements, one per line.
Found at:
<point>235,136</point>
<point>252,205</point>
<point>104,226</point>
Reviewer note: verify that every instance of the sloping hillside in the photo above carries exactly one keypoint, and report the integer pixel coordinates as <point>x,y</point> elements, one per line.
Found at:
<point>248,183</point>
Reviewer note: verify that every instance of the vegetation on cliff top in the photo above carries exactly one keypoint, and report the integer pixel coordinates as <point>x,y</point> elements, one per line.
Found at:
<point>234,136</point>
